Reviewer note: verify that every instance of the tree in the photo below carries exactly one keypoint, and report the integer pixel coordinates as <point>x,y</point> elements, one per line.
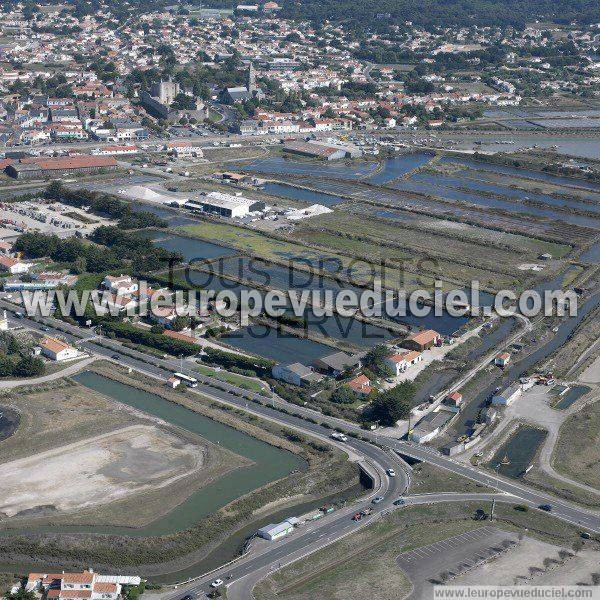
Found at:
<point>7,366</point>
<point>29,366</point>
<point>180,322</point>
<point>374,360</point>
<point>22,594</point>
<point>343,395</point>
<point>394,404</point>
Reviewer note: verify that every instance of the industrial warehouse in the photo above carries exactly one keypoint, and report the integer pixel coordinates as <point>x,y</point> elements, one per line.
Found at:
<point>225,205</point>
<point>46,168</point>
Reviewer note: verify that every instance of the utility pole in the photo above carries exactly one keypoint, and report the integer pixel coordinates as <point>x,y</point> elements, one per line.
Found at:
<point>493,507</point>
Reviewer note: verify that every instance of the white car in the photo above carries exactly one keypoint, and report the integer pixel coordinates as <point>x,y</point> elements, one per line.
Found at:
<point>216,583</point>
<point>391,473</point>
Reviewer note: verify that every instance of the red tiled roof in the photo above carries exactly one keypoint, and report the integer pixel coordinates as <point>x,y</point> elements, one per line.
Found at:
<point>71,162</point>
<point>423,337</point>
<point>75,593</point>
<point>177,335</point>
<point>83,577</point>
<point>105,586</point>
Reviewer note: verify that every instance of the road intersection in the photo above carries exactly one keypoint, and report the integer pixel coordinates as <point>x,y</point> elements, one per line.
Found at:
<point>376,453</point>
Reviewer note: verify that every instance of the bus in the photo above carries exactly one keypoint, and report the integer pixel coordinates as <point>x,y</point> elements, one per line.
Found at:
<point>189,381</point>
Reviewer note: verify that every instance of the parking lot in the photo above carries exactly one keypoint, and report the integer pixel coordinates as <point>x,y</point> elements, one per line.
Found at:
<point>424,566</point>
<point>55,218</point>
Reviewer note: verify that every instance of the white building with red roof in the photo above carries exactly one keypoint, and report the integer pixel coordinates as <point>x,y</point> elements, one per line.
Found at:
<point>86,585</point>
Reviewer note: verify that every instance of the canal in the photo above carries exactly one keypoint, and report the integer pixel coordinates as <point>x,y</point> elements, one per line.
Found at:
<point>468,416</point>
<point>518,452</point>
<point>269,464</point>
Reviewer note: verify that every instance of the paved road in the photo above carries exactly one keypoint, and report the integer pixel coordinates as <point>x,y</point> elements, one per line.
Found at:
<point>244,399</point>
<point>64,372</point>
<point>375,452</point>
<point>455,554</point>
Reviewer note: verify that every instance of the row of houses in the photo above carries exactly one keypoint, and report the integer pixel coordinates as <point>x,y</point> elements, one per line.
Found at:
<point>86,585</point>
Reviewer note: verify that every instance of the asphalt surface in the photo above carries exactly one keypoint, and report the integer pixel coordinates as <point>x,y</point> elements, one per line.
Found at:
<point>455,554</point>
<point>375,451</point>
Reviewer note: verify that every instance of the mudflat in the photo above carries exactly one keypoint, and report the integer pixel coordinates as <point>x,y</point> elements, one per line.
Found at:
<point>98,470</point>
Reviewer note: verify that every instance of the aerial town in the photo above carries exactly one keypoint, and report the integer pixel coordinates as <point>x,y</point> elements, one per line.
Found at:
<point>299,300</point>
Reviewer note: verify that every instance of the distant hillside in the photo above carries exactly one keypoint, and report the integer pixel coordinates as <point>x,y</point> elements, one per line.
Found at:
<point>445,12</point>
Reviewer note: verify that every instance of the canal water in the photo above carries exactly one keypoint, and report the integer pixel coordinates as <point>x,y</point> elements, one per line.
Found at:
<point>462,181</point>
<point>425,183</point>
<point>570,397</point>
<point>592,255</point>
<point>191,249</point>
<point>270,463</point>
<point>270,342</point>
<point>302,194</point>
<point>518,452</point>
<point>527,174</point>
<point>400,165</point>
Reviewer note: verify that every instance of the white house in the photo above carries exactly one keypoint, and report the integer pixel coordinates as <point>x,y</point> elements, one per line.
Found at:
<point>58,350</point>
<point>77,586</point>
<point>13,265</point>
<point>123,283</point>
<point>502,359</point>
<point>398,363</point>
<point>508,395</point>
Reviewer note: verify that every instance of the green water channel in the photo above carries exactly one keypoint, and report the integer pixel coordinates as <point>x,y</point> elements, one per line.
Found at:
<point>270,463</point>
<point>518,452</point>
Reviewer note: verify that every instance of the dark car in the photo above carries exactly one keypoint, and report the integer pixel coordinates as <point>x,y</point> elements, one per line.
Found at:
<point>188,597</point>
<point>399,502</point>
<point>545,507</point>
<point>118,357</point>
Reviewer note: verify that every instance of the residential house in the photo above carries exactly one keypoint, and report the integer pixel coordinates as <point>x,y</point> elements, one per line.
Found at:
<point>337,363</point>
<point>502,359</point>
<point>360,385</point>
<point>123,284</point>
<point>453,401</point>
<point>13,265</point>
<point>422,340</point>
<point>58,350</point>
<point>296,374</point>
<point>399,362</point>
<point>86,585</point>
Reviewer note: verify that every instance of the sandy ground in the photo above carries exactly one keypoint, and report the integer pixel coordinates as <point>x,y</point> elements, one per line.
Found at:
<point>97,470</point>
<point>528,564</point>
<point>592,373</point>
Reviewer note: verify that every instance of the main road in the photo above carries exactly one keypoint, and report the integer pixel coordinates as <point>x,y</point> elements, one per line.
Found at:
<point>376,452</point>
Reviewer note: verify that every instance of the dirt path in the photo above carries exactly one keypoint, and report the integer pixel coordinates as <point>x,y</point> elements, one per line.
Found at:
<point>66,372</point>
